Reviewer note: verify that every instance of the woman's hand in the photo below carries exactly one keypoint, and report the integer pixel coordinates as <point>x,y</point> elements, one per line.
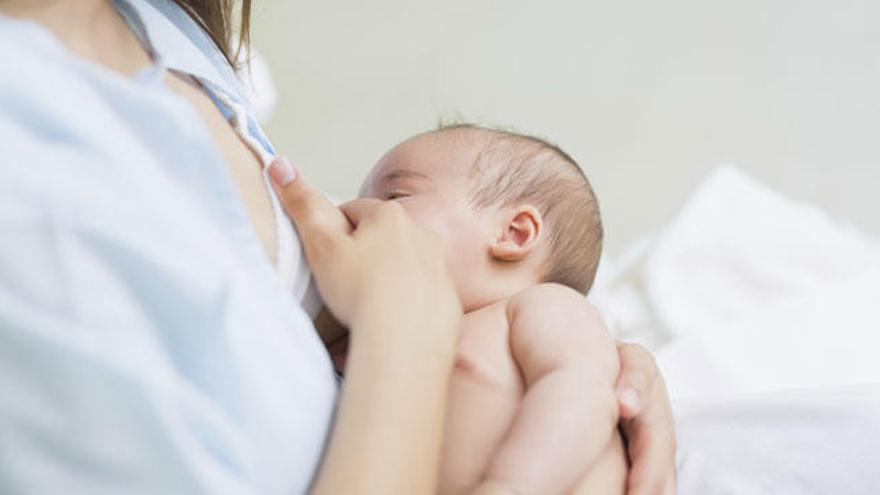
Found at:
<point>370,261</point>
<point>646,423</point>
<point>386,280</point>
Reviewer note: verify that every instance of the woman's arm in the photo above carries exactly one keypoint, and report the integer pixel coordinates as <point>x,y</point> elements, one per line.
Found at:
<point>385,279</point>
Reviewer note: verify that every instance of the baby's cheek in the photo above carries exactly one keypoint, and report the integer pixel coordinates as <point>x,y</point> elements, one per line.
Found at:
<point>464,242</point>
<point>456,228</point>
<point>427,218</point>
<point>413,211</point>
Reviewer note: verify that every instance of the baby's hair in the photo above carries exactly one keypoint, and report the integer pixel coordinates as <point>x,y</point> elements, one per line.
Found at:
<point>514,168</point>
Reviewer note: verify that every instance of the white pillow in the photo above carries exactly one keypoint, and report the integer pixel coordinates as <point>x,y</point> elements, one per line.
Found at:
<point>738,249</point>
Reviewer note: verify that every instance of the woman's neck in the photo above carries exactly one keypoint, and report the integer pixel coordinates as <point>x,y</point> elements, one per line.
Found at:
<point>91,29</point>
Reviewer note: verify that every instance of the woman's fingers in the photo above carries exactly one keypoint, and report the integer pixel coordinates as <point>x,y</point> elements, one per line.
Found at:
<point>358,210</point>
<point>647,422</point>
<point>652,457</point>
<point>319,222</point>
<point>651,450</point>
<point>638,370</point>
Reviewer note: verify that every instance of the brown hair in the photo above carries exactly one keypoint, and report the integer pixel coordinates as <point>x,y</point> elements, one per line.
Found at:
<point>514,168</point>
<point>216,18</point>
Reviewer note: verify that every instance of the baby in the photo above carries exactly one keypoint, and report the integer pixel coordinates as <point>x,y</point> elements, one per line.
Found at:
<point>531,403</point>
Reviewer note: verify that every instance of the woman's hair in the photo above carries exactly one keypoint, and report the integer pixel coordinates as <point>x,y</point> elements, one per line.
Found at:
<point>216,17</point>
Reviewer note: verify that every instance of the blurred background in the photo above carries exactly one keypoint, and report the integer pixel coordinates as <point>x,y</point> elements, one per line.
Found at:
<point>649,96</point>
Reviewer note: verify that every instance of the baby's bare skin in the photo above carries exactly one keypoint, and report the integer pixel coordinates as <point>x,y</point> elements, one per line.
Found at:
<point>484,394</point>
<point>489,389</point>
<point>556,402</point>
<point>531,407</point>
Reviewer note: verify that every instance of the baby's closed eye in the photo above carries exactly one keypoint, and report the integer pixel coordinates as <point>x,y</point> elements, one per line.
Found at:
<point>393,195</point>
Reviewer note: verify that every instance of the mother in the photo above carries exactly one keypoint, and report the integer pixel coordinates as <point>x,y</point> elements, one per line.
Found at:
<point>148,339</point>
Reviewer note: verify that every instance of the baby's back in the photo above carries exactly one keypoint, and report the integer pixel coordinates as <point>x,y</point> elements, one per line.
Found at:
<point>486,394</point>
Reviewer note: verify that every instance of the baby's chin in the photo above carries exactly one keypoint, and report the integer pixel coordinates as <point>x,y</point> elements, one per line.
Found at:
<point>472,300</point>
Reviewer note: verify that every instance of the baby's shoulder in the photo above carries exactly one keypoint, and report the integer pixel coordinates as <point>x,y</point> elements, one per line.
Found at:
<point>548,298</point>
<point>551,307</point>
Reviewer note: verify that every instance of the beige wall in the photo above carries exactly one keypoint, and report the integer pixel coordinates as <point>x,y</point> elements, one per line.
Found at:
<point>647,94</point>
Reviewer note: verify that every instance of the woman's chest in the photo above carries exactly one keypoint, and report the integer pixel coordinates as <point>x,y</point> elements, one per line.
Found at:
<point>244,165</point>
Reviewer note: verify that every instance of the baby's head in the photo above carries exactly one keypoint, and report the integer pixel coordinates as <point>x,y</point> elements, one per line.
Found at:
<point>513,210</point>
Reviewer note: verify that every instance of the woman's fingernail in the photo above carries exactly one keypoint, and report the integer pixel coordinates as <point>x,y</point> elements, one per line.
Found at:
<point>628,397</point>
<point>282,171</point>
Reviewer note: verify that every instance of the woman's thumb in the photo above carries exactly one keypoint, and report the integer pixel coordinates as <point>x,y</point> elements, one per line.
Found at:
<point>314,215</point>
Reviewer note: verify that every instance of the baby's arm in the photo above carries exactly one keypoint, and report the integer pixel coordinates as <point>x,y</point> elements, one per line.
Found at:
<point>569,412</point>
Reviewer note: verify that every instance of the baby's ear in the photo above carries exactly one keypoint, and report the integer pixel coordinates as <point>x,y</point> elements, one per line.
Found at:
<point>519,236</point>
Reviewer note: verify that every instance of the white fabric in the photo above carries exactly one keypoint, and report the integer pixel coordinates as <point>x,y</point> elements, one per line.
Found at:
<point>817,441</point>
<point>738,248</point>
<point>746,296</point>
<point>768,293</point>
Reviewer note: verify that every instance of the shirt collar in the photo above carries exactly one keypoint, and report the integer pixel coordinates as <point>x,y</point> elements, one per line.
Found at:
<point>177,42</point>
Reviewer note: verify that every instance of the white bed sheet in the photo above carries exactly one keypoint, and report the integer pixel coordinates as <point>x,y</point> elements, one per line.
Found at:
<point>817,441</point>
<point>765,317</point>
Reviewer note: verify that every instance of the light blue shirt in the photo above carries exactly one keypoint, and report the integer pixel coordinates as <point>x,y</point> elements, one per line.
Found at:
<point>147,344</point>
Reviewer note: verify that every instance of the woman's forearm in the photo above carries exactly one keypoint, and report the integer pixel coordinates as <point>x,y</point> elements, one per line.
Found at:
<point>388,429</point>
<point>386,279</point>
